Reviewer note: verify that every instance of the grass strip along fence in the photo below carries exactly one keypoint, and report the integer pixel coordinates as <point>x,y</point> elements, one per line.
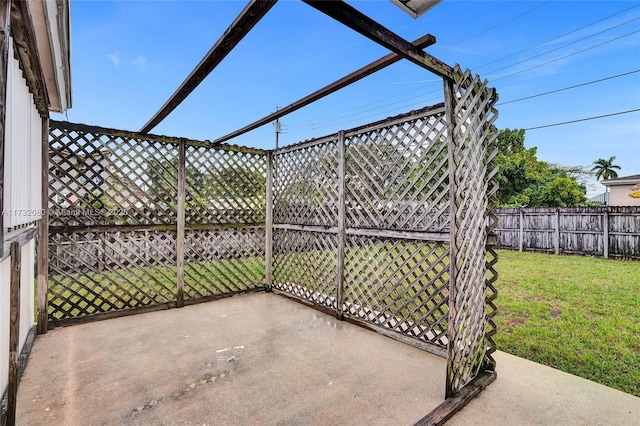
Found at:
<point>578,314</point>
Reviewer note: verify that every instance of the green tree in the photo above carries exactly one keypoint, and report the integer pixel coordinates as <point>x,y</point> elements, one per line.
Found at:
<point>605,169</point>
<point>526,181</point>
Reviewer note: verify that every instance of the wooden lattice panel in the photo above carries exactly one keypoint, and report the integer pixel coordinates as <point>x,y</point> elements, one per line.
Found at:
<point>397,175</point>
<point>95,272</point>
<point>224,186</point>
<point>110,179</point>
<point>306,186</point>
<point>223,261</point>
<point>399,284</point>
<point>472,139</point>
<point>305,265</point>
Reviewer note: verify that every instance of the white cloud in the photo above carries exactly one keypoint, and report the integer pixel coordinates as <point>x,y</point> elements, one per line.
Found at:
<point>141,62</point>
<point>115,59</point>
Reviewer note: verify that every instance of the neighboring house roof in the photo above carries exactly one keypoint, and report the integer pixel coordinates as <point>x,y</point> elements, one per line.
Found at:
<point>52,33</point>
<point>624,180</point>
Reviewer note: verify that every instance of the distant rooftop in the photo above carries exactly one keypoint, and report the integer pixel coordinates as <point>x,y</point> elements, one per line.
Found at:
<point>624,180</point>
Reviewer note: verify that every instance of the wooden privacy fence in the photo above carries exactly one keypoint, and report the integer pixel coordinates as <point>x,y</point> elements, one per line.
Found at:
<point>386,225</point>
<point>596,231</point>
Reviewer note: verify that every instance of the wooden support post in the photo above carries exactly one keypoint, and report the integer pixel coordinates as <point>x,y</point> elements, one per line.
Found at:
<point>341,226</point>
<point>268,225</point>
<point>557,236</point>
<point>521,234</point>
<point>14,333</point>
<point>449,97</point>
<point>605,234</point>
<point>43,233</point>
<point>181,223</point>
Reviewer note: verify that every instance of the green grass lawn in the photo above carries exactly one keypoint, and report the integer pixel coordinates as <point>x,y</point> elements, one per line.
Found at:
<point>577,314</point>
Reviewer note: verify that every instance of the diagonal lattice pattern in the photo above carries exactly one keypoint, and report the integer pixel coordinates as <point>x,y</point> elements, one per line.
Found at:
<point>399,284</point>
<point>97,272</point>
<point>110,179</point>
<point>224,186</point>
<point>223,261</point>
<point>114,212</point>
<point>473,117</point>
<point>397,175</point>
<point>306,186</point>
<point>305,265</point>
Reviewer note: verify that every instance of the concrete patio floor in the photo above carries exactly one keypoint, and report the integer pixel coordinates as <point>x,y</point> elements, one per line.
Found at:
<point>262,359</point>
<point>258,359</point>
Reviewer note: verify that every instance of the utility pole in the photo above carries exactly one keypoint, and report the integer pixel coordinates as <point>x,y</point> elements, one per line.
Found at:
<point>278,128</point>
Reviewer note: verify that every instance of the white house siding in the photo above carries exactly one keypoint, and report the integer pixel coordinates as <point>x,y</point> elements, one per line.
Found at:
<point>23,153</point>
<point>22,204</point>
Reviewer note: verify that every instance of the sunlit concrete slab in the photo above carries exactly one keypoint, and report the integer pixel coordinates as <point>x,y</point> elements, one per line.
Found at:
<point>257,359</point>
<point>527,393</point>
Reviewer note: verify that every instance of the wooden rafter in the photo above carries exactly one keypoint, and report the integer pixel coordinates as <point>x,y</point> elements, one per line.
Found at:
<point>26,48</point>
<point>357,75</point>
<point>246,20</point>
<point>359,22</point>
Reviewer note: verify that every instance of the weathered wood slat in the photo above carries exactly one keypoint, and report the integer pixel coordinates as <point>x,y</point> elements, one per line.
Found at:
<point>599,231</point>
<point>269,224</point>
<point>14,332</point>
<point>371,29</point>
<point>445,411</point>
<point>43,234</point>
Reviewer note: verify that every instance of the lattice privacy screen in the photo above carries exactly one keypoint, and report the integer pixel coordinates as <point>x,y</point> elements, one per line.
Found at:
<point>114,208</point>
<point>385,225</point>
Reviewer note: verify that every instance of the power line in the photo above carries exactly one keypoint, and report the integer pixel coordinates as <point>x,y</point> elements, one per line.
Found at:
<point>542,43</point>
<point>566,45</point>
<point>584,119</point>
<point>569,87</point>
<point>444,46</point>
<point>500,24</point>
<point>566,56</point>
<point>339,117</point>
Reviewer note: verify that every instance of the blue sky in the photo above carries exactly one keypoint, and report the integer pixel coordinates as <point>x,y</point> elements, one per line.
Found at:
<point>128,57</point>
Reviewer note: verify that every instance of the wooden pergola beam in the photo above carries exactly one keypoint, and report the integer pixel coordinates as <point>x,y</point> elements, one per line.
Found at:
<point>357,75</point>
<point>359,22</point>
<point>244,22</point>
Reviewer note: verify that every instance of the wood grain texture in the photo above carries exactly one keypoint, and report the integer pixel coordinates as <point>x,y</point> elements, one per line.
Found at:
<point>594,231</point>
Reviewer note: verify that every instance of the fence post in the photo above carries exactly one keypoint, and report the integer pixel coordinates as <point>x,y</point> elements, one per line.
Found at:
<point>341,225</point>
<point>605,233</point>
<point>180,224</point>
<point>268,226</point>
<point>14,332</point>
<point>43,233</point>
<point>521,234</point>
<point>557,238</point>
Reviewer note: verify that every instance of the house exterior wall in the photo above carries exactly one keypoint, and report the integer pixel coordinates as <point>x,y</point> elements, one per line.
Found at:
<point>22,203</point>
<point>619,196</point>
<point>23,154</point>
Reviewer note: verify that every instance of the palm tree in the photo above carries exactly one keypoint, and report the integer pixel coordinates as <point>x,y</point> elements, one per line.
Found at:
<point>605,168</point>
